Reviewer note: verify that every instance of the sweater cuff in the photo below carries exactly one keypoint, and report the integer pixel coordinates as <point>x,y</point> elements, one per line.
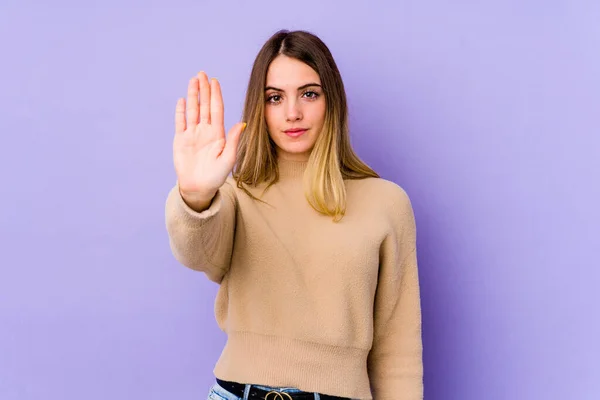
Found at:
<point>195,216</point>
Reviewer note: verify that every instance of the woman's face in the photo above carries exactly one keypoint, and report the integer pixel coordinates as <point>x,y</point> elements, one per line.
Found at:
<point>294,107</point>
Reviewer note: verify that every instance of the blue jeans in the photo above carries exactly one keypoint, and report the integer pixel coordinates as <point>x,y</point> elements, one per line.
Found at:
<point>218,393</point>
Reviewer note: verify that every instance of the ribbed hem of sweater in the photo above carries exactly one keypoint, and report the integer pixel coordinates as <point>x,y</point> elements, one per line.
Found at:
<point>285,362</point>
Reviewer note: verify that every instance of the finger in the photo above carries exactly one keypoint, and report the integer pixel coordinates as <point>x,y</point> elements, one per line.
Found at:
<point>180,116</point>
<point>192,102</point>
<point>204,98</point>
<point>233,139</point>
<point>216,103</point>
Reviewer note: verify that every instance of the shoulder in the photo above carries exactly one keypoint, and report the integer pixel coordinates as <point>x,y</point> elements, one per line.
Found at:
<point>231,182</point>
<point>240,192</point>
<point>382,192</point>
<point>388,201</point>
<point>229,189</point>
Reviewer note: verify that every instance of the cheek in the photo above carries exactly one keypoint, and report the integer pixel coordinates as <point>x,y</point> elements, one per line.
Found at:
<point>270,117</point>
<point>319,113</point>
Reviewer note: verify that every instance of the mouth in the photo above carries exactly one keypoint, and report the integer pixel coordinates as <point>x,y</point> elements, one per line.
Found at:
<point>295,132</point>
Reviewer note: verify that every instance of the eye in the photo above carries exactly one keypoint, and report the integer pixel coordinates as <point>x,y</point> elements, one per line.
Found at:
<point>275,98</point>
<point>311,94</point>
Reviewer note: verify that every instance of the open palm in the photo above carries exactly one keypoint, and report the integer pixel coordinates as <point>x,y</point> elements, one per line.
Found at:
<point>203,157</point>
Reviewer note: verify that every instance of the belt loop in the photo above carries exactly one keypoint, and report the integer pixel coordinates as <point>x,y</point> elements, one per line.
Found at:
<point>317,396</point>
<point>247,391</point>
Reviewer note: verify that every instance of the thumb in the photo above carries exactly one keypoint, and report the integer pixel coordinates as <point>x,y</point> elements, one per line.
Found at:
<point>233,139</point>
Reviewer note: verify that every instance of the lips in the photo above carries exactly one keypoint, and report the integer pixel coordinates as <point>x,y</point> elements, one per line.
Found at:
<point>295,132</point>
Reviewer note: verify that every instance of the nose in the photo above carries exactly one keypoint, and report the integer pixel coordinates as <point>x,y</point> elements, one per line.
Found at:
<point>293,111</point>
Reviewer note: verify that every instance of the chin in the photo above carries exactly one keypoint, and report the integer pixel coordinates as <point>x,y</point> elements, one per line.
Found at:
<point>298,148</point>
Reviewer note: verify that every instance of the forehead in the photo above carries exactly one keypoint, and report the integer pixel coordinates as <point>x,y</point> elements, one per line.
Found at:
<point>290,73</point>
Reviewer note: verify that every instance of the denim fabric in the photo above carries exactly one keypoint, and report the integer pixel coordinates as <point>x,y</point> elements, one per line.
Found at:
<point>218,393</point>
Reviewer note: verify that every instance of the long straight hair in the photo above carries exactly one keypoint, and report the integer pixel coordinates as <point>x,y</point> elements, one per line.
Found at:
<point>332,158</point>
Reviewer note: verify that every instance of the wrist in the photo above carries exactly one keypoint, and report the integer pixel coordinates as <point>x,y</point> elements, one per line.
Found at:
<point>197,201</point>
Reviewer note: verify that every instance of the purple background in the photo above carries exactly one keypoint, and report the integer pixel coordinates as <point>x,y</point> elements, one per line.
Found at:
<point>487,114</point>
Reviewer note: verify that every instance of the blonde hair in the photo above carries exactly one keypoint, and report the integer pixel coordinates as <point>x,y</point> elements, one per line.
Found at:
<point>332,158</point>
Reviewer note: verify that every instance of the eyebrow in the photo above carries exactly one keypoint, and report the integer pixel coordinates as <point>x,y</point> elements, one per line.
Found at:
<point>300,88</point>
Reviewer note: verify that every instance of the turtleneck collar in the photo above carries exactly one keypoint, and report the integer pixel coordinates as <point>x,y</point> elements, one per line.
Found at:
<point>290,169</point>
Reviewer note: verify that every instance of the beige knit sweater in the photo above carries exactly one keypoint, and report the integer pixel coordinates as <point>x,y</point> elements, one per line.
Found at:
<point>307,302</point>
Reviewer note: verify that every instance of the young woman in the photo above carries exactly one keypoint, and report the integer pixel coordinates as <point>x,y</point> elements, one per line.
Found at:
<point>314,253</point>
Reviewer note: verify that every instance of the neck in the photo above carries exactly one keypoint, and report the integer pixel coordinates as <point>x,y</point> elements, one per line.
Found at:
<point>291,169</point>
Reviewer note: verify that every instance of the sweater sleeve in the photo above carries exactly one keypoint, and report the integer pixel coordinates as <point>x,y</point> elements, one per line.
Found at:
<point>202,241</point>
<point>395,361</point>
